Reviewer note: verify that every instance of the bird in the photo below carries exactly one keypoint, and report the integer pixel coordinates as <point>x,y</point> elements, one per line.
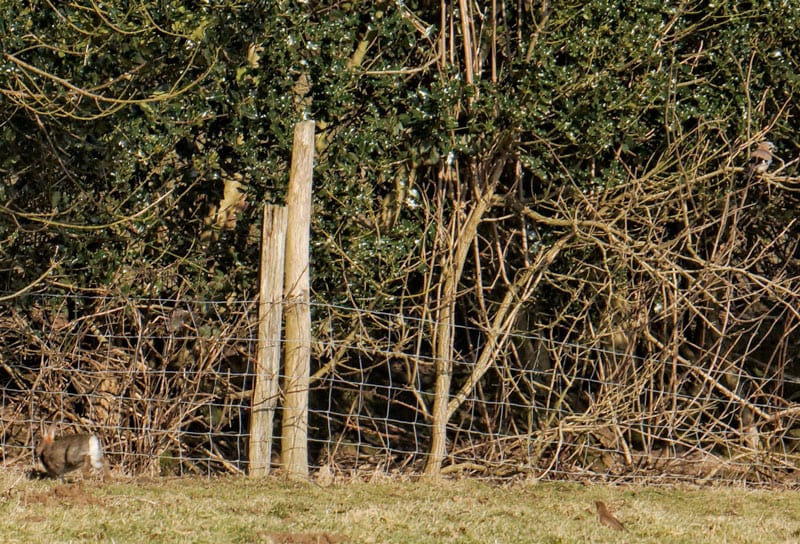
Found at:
<point>760,159</point>
<point>606,518</point>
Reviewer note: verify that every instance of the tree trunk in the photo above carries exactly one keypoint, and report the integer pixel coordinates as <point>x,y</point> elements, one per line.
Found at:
<point>485,182</point>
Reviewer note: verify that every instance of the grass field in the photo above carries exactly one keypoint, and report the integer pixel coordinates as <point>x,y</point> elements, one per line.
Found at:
<point>236,509</point>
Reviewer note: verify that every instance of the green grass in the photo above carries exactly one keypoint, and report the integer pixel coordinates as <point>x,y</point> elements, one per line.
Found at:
<point>234,509</point>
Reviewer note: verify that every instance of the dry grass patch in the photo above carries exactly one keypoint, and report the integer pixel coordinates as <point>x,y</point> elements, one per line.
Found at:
<point>464,511</point>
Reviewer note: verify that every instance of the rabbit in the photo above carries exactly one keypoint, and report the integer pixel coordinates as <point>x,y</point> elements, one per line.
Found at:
<point>70,452</point>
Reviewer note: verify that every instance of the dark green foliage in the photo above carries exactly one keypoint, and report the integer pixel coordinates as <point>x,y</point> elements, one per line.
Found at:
<point>121,127</point>
<point>616,132</point>
<point>171,101</point>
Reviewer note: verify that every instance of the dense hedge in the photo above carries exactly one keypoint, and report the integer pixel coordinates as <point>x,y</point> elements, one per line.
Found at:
<point>607,137</point>
<point>125,124</point>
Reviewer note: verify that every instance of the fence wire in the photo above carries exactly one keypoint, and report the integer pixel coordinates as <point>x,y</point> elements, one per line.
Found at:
<point>167,386</point>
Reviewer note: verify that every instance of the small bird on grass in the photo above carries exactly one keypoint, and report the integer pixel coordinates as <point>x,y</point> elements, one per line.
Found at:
<point>606,518</point>
<point>760,159</point>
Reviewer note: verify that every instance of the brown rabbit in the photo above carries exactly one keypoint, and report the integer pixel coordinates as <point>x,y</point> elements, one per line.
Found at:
<point>69,453</point>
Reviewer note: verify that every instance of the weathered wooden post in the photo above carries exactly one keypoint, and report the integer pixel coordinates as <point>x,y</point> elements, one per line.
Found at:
<point>297,341</point>
<point>268,357</point>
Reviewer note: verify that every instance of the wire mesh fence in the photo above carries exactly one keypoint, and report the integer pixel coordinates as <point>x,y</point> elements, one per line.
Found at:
<point>167,384</point>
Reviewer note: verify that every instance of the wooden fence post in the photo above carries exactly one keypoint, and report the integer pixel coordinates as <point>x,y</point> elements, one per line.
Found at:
<point>297,342</point>
<point>270,312</point>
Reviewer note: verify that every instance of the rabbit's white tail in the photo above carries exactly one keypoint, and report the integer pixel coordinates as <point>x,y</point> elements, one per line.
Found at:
<point>95,452</point>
